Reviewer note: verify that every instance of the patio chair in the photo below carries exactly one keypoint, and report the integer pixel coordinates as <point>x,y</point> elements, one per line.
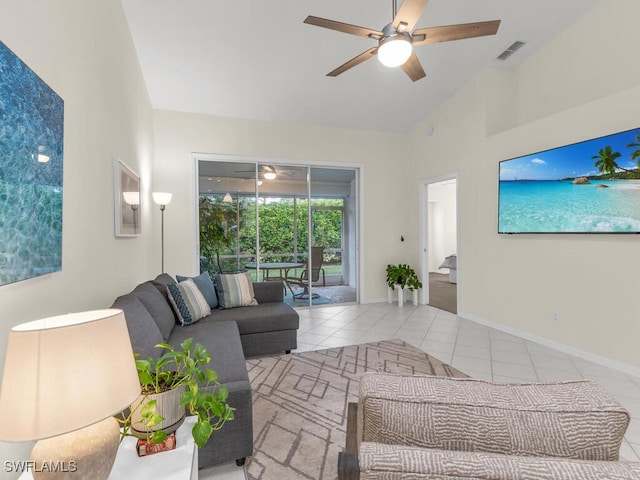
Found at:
<point>317,257</point>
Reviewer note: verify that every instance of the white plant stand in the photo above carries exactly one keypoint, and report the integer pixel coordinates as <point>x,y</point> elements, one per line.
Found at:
<point>400,294</point>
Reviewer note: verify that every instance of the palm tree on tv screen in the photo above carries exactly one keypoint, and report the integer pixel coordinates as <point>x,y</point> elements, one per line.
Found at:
<point>606,160</point>
<point>635,155</point>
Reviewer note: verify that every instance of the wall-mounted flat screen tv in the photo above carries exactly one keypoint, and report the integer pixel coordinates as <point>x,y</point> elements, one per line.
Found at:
<point>587,187</point>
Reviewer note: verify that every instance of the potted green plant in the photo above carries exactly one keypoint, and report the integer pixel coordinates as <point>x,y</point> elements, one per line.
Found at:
<point>404,276</point>
<point>176,381</point>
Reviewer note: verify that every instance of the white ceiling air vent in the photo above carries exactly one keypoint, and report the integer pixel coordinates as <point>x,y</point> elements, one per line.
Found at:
<point>515,46</point>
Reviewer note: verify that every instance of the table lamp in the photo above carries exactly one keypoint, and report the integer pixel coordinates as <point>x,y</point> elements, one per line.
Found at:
<point>64,379</point>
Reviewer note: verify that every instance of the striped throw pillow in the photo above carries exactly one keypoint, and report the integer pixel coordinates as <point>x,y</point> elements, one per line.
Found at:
<point>235,290</point>
<point>188,302</point>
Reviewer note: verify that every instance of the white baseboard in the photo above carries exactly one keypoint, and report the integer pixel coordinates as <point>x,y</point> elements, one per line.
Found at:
<point>591,357</point>
<point>375,300</point>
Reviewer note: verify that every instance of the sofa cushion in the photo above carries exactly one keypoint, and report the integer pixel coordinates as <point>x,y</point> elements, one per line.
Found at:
<point>205,284</point>
<point>188,302</point>
<point>235,290</point>
<point>161,282</point>
<point>143,330</point>
<point>267,317</point>
<point>158,307</point>
<point>222,341</point>
<point>267,292</point>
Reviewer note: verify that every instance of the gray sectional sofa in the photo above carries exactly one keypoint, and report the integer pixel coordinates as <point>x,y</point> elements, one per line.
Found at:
<point>229,335</point>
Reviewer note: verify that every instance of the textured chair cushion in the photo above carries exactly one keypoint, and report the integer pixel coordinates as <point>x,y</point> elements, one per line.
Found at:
<point>235,290</point>
<point>570,419</point>
<point>394,462</point>
<point>188,302</point>
<point>205,284</point>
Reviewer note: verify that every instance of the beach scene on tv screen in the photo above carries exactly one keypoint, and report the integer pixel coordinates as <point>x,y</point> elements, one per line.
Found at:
<point>587,187</point>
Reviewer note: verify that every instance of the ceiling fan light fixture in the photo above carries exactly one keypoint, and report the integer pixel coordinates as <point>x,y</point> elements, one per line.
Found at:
<point>270,175</point>
<point>395,50</point>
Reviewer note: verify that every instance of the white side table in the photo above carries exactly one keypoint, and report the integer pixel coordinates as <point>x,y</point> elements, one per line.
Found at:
<point>401,295</point>
<point>178,464</point>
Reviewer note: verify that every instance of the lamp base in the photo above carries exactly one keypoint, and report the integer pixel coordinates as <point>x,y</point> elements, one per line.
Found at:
<point>87,453</point>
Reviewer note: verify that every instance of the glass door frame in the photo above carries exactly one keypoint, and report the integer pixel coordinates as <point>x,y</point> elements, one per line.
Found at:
<point>355,245</point>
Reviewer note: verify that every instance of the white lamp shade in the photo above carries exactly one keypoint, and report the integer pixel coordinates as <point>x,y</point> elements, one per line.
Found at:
<point>270,175</point>
<point>162,198</point>
<point>394,51</point>
<point>132,198</point>
<point>66,372</point>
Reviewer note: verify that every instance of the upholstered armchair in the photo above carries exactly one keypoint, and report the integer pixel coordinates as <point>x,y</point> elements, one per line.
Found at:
<point>422,427</point>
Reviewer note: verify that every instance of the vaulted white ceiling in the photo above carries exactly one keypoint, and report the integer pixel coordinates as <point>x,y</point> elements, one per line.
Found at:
<point>256,59</point>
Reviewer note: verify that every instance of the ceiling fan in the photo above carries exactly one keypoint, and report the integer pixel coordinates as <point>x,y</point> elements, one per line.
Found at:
<point>396,40</point>
<point>269,172</point>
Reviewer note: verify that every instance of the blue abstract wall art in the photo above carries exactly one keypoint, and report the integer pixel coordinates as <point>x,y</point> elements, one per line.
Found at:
<point>31,146</point>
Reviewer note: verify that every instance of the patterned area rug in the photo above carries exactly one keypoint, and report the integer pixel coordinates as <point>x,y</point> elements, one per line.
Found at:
<point>300,404</point>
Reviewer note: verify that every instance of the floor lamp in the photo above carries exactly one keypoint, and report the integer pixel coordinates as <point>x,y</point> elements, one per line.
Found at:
<point>163,199</point>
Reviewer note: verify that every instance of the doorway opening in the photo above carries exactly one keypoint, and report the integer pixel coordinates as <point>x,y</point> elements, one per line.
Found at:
<point>439,242</point>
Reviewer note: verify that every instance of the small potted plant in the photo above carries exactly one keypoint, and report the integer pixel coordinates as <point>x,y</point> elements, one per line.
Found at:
<point>175,381</point>
<point>404,276</point>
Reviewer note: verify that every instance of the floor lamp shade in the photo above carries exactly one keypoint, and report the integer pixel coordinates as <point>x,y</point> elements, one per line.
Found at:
<point>64,373</point>
<point>162,198</point>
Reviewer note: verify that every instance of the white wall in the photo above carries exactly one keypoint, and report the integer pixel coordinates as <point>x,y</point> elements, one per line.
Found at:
<point>582,85</point>
<point>178,135</point>
<point>84,52</point>
<point>442,223</point>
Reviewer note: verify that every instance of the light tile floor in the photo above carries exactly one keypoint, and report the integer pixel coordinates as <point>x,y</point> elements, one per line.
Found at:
<point>479,351</point>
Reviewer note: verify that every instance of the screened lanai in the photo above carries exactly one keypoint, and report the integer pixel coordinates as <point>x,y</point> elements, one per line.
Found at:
<point>265,218</point>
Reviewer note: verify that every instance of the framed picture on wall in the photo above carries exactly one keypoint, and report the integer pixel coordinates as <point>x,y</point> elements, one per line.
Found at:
<point>127,201</point>
<point>31,166</point>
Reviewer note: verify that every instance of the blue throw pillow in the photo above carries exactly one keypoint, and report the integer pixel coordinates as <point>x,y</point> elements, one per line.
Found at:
<point>205,284</point>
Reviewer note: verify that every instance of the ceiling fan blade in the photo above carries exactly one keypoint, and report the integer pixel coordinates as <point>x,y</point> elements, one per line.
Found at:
<point>408,13</point>
<point>353,62</point>
<point>343,27</point>
<point>454,32</point>
<point>413,68</point>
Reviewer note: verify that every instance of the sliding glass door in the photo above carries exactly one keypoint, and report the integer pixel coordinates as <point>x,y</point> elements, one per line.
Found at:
<point>288,223</point>
<point>333,234</point>
<point>227,217</point>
